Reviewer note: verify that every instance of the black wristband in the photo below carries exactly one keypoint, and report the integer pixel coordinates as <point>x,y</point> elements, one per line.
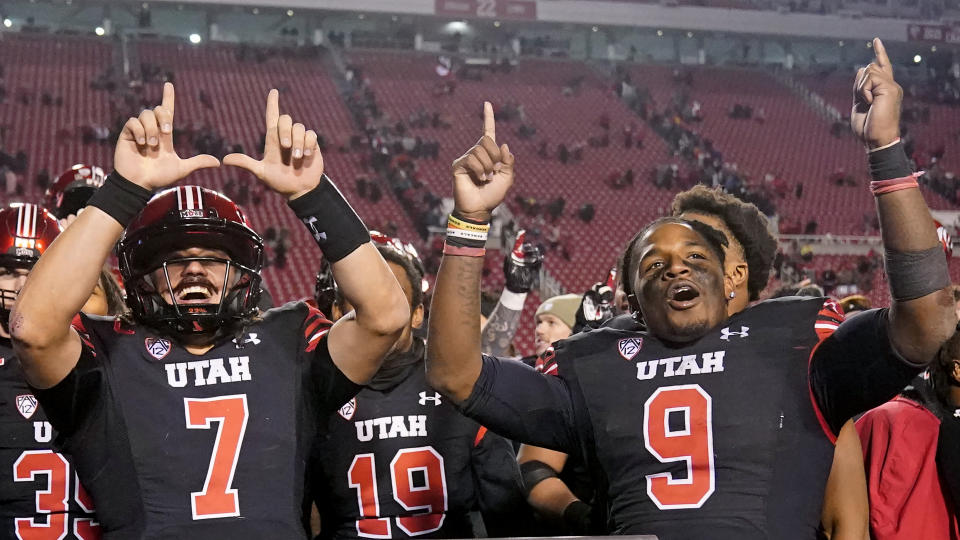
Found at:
<point>889,163</point>
<point>534,472</point>
<point>576,516</point>
<point>331,220</point>
<point>120,198</point>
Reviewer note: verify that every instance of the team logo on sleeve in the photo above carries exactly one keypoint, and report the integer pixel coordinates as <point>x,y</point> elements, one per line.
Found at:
<point>27,405</point>
<point>629,347</point>
<point>348,409</point>
<point>158,348</point>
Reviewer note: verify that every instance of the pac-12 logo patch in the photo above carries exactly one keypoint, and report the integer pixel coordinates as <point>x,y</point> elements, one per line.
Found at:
<point>27,405</point>
<point>348,409</point>
<point>629,347</point>
<point>158,348</point>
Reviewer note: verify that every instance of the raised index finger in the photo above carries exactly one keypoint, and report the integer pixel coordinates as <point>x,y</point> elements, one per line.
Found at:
<point>168,98</point>
<point>489,127</point>
<point>273,109</point>
<point>883,61</point>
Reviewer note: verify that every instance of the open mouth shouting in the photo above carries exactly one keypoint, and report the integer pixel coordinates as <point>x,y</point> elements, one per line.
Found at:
<point>683,294</point>
<point>194,292</point>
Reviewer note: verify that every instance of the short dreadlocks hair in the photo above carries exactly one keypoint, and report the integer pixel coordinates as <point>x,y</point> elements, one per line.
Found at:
<point>715,239</point>
<point>747,223</point>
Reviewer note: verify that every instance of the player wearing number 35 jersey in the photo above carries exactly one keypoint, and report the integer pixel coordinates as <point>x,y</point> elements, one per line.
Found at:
<point>40,495</point>
<point>194,417</point>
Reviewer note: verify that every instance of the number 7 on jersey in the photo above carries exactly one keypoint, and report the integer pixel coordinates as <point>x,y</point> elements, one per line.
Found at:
<point>218,498</point>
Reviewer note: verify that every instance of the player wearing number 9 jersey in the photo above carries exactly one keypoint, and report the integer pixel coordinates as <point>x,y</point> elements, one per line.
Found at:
<point>704,426</point>
<point>400,461</point>
<point>193,417</point>
<point>40,495</point>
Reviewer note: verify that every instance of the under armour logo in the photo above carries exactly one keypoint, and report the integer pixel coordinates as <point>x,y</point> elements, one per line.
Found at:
<point>956,413</point>
<point>726,333</point>
<point>251,338</point>
<point>319,236</point>
<point>435,398</point>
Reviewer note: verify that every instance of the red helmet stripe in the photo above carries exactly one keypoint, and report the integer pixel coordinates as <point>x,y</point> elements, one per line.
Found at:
<point>199,198</point>
<point>179,199</point>
<point>20,221</point>
<point>189,193</point>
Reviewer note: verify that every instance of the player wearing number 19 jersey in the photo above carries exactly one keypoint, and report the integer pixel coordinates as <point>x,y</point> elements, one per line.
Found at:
<point>400,461</point>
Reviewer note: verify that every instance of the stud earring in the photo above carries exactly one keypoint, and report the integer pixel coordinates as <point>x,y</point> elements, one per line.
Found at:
<point>732,294</point>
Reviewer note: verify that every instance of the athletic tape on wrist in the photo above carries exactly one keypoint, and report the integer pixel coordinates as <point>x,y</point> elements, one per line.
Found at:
<point>534,472</point>
<point>914,274</point>
<point>120,198</point>
<point>332,222</point>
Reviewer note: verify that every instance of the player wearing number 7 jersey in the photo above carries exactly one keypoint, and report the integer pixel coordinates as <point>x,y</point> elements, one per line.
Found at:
<point>194,418</point>
<point>704,426</point>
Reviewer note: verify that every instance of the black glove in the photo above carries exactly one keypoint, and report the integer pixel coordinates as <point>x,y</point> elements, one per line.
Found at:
<point>596,308</point>
<point>522,267</point>
<point>577,518</point>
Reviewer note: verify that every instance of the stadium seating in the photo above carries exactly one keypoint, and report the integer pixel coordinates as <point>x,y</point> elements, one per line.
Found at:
<point>405,82</point>
<point>64,67</point>
<point>563,100</point>
<point>238,91</point>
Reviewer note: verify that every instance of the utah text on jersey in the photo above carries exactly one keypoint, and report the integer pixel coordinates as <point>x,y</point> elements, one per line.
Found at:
<point>391,427</point>
<point>208,372</point>
<point>710,362</point>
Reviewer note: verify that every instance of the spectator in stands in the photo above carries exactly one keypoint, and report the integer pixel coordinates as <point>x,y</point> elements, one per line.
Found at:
<point>911,448</point>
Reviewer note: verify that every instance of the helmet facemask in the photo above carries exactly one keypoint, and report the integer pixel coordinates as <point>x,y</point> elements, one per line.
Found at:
<point>148,273</point>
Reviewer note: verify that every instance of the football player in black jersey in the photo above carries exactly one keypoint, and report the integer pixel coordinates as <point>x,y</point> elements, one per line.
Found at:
<point>40,495</point>
<point>195,416</point>
<point>705,425</point>
<point>399,461</point>
<point>748,257</point>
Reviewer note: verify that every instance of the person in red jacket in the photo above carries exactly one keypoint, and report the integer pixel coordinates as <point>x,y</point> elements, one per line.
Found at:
<point>910,455</point>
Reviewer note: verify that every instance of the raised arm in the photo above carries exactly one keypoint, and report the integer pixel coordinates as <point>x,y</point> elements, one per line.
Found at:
<point>521,268</point>
<point>921,316</point>
<point>293,167</point>
<point>61,281</point>
<point>481,178</point>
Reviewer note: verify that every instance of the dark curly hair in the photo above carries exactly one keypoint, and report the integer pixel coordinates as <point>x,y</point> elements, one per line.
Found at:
<point>413,274</point>
<point>716,241</point>
<point>747,223</point>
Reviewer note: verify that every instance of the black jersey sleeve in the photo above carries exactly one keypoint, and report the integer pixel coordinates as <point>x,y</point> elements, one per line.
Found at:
<point>81,396</point>
<point>496,475</point>
<point>856,368</point>
<point>332,386</point>
<point>514,400</point>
